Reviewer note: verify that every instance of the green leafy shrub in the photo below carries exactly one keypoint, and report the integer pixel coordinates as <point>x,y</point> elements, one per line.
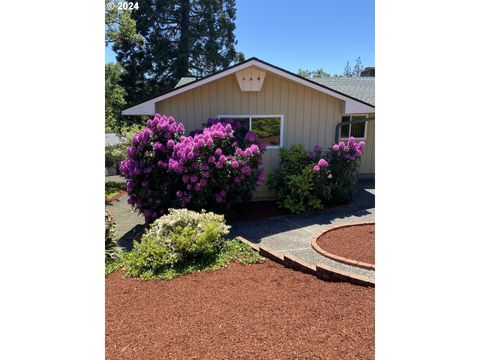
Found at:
<point>183,236</point>
<point>305,182</point>
<point>111,248</point>
<point>182,242</point>
<point>295,183</point>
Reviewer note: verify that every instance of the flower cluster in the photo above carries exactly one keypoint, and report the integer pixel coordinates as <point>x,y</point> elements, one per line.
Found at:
<point>322,163</point>
<point>165,168</point>
<point>351,150</point>
<point>214,168</point>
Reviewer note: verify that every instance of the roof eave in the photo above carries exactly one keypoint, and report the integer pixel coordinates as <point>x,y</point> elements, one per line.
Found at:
<point>148,107</point>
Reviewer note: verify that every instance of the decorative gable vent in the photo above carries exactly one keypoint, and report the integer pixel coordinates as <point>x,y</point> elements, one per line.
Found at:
<point>250,79</point>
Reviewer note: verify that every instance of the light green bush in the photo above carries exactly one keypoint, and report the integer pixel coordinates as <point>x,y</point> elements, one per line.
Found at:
<point>182,237</point>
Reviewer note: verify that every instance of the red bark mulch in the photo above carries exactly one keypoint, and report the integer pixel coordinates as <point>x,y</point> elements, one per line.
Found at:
<point>356,242</point>
<point>261,311</point>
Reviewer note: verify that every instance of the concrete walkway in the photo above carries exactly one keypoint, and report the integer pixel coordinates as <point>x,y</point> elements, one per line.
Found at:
<point>129,223</point>
<point>115,178</point>
<point>292,234</point>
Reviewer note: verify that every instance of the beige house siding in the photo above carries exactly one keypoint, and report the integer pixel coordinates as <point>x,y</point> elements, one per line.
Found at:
<point>309,116</point>
<point>367,166</point>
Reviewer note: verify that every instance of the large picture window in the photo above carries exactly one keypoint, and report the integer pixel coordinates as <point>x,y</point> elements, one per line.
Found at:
<point>358,131</point>
<point>267,128</point>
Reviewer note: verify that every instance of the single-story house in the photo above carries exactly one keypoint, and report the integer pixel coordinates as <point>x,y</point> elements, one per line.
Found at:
<point>293,109</point>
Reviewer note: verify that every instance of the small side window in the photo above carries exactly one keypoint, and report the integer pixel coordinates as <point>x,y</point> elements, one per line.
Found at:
<point>356,130</point>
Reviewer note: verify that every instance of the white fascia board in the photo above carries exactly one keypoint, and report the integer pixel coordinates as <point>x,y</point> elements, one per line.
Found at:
<point>357,108</point>
<point>148,107</point>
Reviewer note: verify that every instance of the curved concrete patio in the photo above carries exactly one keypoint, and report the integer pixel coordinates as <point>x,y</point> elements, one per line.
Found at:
<point>291,235</point>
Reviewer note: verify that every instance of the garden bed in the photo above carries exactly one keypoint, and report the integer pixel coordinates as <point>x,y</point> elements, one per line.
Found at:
<point>256,311</point>
<point>351,244</point>
<point>113,190</point>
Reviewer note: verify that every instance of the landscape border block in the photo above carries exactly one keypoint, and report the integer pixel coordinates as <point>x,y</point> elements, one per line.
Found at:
<point>323,271</point>
<point>338,258</point>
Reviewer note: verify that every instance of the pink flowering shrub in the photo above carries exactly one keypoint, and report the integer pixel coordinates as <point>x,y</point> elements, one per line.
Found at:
<point>215,170</point>
<point>305,182</point>
<point>343,162</point>
<point>210,169</point>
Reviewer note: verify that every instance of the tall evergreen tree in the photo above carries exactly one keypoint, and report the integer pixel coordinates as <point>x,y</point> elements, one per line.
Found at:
<point>181,38</point>
<point>348,70</point>
<point>358,68</point>
<point>119,25</point>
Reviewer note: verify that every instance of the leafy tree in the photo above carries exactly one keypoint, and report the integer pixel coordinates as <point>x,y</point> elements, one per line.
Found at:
<point>313,74</point>
<point>240,57</point>
<point>114,98</point>
<point>304,73</point>
<point>181,38</point>
<point>320,73</point>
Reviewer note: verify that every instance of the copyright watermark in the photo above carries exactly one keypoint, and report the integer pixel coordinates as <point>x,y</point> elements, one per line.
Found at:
<point>122,5</point>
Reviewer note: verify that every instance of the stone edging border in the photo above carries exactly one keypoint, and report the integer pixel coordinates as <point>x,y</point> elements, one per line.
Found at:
<point>338,258</point>
<point>322,271</point>
<point>116,197</point>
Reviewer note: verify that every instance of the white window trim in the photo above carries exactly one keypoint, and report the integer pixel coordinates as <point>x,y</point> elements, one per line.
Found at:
<point>249,117</point>
<point>350,127</point>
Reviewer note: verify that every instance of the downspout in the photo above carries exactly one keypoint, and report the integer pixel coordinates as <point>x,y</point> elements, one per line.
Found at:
<point>340,124</point>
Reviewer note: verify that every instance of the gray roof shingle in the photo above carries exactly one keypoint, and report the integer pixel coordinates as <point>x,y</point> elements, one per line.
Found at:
<point>361,88</point>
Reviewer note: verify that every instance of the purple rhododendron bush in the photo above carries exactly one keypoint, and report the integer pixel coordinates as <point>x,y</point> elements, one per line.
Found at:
<point>210,169</point>
<point>308,181</point>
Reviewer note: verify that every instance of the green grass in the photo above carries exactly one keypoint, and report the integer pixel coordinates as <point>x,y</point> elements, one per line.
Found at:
<point>233,251</point>
<point>112,189</point>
